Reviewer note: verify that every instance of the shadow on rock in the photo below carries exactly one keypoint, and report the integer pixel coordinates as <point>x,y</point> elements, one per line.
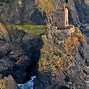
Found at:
<point>32,48</point>
<point>38,17</point>
<point>19,55</point>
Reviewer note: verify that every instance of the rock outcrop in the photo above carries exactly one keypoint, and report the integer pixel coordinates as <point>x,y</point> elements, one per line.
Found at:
<point>81,10</point>
<point>62,60</point>
<point>20,11</point>
<point>8,83</point>
<point>18,53</point>
<point>57,58</point>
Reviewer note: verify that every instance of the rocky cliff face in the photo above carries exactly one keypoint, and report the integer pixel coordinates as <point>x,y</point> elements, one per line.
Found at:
<point>29,11</point>
<point>19,51</point>
<point>79,11</point>
<point>20,11</point>
<point>62,59</point>
<point>57,58</point>
<point>59,55</point>
<point>8,83</point>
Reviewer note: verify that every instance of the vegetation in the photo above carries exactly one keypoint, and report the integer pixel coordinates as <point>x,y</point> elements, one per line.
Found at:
<point>50,61</point>
<point>46,62</point>
<point>30,29</point>
<point>79,35</point>
<point>76,38</point>
<point>46,5</point>
<point>54,59</point>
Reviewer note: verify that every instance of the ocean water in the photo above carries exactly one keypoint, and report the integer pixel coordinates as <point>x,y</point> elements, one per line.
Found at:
<point>28,85</point>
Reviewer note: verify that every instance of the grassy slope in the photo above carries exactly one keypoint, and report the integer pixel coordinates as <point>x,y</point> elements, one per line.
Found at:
<point>29,29</point>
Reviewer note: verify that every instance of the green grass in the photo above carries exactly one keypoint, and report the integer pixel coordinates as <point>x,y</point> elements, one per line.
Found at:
<point>31,29</point>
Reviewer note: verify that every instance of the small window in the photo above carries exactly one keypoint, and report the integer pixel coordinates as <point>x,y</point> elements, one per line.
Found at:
<point>58,20</point>
<point>66,23</point>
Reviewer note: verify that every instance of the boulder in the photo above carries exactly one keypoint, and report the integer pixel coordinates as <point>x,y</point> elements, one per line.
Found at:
<point>8,83</point>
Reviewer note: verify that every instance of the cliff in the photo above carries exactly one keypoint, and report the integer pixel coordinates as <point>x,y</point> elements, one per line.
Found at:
<point>56,56</point>
<point>8,83</point>
<point>79,10</point>
<point>62,60</point>
<point>20,11</point>
<point>29,11</point>
<point>20,50</point>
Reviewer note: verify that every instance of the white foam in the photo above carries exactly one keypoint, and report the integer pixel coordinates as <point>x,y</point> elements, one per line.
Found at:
<point>28,85</point>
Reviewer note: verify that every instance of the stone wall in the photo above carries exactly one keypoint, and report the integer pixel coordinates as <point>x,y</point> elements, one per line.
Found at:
<point>59,18</point>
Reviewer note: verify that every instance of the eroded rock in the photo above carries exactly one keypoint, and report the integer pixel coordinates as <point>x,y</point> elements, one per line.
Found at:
<point>8,83</point>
